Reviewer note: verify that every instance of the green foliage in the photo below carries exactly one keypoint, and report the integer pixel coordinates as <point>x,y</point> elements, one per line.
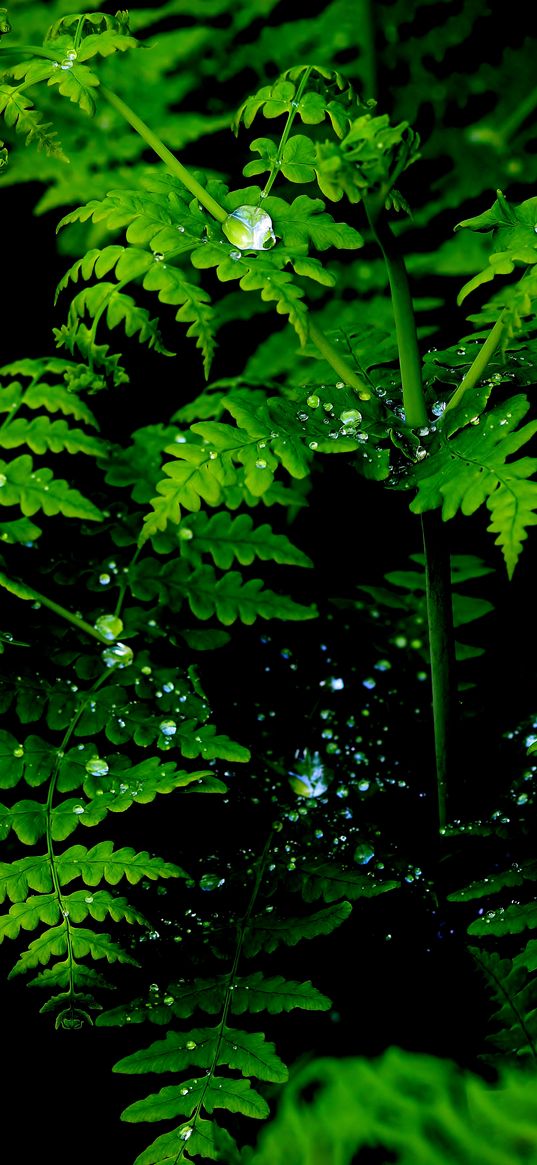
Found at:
<point>155,550</point>
<point>410,1106</point>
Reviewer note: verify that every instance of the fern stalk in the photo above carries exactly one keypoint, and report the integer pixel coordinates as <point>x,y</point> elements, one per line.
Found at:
<point>287,130</point>
<point>241,931</point>
<point>405,322</point>
<point>22,591</point>
<point>437,564</point>
<point>477,369</point>
<point>441,651</point>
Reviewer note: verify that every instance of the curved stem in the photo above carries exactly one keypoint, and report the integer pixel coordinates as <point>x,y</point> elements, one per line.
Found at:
<point>337,361</point>
<point>287,130</point>
<point>22,591</point>
<point>405,321</point>
<point>476,370</point>
<point>441,649</point>
<point>196,189</point>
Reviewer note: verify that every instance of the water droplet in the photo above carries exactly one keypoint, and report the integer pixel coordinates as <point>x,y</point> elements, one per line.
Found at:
<point>328,406</point>
<point>313,445</point>
<point>191,1044</point>
<point>18,751</point>
<point>211,882</point>
<point>181,230</point>
<point>117,655</point>
<point>109,626</point>
<point>89,899</point>
<point>78,809</point>
<point>363,853</point>
<point>185,1134</point>
<point>213,454</point>
<point>97,767</point>
<point>104,579</point>
<point>168,727</point>
<point>350,417</point>
<point>3,479</point>
<point>158,256</point>
<point>302,417</point>
<point>235,255</point>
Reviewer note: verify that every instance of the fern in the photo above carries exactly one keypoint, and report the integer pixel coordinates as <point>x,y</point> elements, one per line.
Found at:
<point>436,1113</point>
<point>471,469</point>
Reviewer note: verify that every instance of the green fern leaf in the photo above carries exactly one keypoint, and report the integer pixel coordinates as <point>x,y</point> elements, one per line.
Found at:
<point>513,229</point>
<point>78,83</point>
<point>103,862</point>
<point>330,882</point>
<point>495,882</point>
<point>175,1100</point>
<point>19,112</point>
<point>470,468</point>
<point>506,920</point>
<point>197,1138</point>
<point>99,905</point>
<point>50,943</point>
<point>202,740</point>
<point>226,537</point>
<point>196,476</point>
<point>11,758</point>
<point>305,221</point>
<point>248,1052</point>
<point>256,993</point>
<point>41,434</point>
<point>34,490</point>
<point>230,598</point>
<point>266,932</point>
<point>27,819</point>
<point>515,1018</point>
<point>64,974</point>
<point>20,530</point>
<point>24,874</point>
<point>27,915</point>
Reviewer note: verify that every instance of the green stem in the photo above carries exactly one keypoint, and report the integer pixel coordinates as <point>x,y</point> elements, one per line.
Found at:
<point>517,117</point>
<point>405,321</point>
<point>22,591</point>
<point>441,650</point>
<point>476,370</point>
<point>337,361</point>
<point>196,189</point>
<point>287,130</point>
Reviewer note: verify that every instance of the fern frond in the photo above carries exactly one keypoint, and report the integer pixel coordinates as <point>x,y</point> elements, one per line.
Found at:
<point>266,932</point>
<point>34,490</point>
<point>329,881</point>
<point>41,434</point>
<point>227,538</point>
<point>248,1052</point>
<point>230,598</point>
<point>19,112</point>
<point>470,468</point>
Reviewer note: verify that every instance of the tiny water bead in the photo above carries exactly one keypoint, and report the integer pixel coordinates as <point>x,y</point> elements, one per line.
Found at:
<point>235,255</point>
<point>364,853</point>
<point>3,479</point>
<point>211,882</point>
<point>109,626</point>
<point>250,228</point>
<point>313,401</point>
<point>117,655</point>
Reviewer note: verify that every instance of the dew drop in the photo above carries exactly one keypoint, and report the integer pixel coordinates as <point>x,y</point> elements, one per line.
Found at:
<point>260,463</point>
<point>117,655</point>
<point>168,727</point>
<point>235,255</point>
<point>109,626</point>
<point>363,853</point>
<point>97,767</point>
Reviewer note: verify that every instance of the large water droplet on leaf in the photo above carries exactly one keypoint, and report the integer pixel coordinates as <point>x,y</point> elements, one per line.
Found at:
<point>250,228</point>
<point>97,767</point>
<point>109,626</point>
<point>118,655</point>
